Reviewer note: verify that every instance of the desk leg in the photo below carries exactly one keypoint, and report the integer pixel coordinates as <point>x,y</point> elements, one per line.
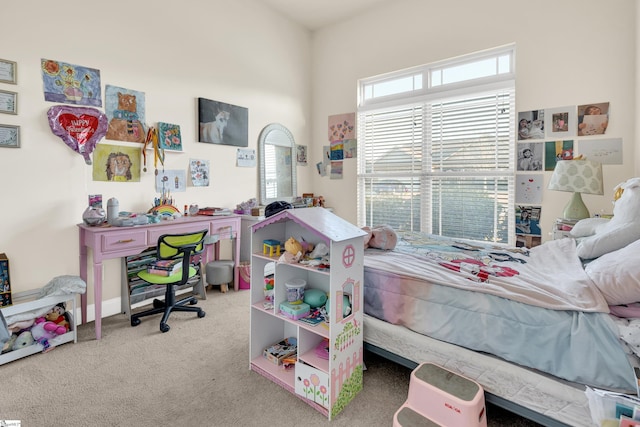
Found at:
<point>83,276</point>
<point>97,297</point>
<point>236,258</point>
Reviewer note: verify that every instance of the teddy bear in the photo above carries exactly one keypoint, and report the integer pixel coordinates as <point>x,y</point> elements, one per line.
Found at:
<point>381,237</point>
<point>598,236</point>
<point>295,250</point>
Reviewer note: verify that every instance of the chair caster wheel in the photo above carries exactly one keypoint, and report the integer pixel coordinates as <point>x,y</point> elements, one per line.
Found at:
<point>193,301</point>
<point>201,314</point>
<point>164,327</point>
<point>157,303</point>
<point>135,321</point>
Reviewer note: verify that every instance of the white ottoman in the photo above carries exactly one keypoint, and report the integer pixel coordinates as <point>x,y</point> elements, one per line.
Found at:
<point>219,273</point>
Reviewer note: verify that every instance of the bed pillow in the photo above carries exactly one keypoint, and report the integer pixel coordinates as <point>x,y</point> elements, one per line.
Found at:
<point>617,274</point>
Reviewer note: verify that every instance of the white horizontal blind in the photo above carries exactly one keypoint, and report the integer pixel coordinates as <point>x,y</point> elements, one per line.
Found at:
<point>443,165</point>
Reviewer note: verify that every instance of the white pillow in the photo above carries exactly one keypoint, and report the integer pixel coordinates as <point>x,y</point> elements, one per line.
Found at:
<point>617,274</point>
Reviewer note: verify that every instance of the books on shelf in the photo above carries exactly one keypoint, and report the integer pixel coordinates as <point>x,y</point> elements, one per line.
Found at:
<point>165,267</point>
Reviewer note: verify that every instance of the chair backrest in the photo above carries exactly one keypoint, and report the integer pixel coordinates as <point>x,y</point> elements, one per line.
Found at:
<point>175,245</point>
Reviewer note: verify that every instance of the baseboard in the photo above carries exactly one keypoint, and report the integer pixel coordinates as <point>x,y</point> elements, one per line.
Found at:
<point>109,308</point>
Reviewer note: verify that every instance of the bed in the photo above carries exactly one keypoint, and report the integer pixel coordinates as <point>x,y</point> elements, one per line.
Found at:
<point>532,326</point>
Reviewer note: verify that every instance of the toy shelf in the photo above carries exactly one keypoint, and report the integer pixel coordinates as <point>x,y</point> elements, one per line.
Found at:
<point>35,305</point>
<point>326,384</point>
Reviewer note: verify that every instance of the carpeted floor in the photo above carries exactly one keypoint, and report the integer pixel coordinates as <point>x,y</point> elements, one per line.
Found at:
<point>197,374</point>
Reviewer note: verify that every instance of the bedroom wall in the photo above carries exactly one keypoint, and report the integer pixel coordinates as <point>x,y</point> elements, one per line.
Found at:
<point>568,53</point>
<point>237,52</point>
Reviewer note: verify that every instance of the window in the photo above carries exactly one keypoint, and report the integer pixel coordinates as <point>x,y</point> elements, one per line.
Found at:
<point>440,157</point>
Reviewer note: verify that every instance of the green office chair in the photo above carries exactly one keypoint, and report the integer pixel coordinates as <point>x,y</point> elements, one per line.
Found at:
<point>171,246</point>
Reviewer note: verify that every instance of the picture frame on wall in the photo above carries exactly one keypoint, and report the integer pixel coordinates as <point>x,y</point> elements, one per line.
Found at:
<point>9,136</point>
<point>8,72</point>
<point>8,102</point>
<point>222,123</point>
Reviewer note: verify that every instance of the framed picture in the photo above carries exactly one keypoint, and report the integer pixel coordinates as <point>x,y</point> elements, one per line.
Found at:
<point>9,136</point>
<point>8,102</point>
<point>222,123</point>
<point>8,72</point>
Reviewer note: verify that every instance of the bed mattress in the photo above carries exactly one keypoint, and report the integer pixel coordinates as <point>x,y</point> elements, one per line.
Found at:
<point>540,393</point>
<point>537,308</point>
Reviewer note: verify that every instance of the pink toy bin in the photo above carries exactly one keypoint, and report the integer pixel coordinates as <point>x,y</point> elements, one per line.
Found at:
<point>244,272</point>
<point>439,397</point>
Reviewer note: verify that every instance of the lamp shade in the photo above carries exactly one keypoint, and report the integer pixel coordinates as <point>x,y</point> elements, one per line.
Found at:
<point>578,176</point>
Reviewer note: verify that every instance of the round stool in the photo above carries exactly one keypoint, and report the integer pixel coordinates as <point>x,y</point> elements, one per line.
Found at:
<point>219,273</point>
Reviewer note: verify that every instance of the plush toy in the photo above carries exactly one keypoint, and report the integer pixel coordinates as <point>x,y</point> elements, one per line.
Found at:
<point>295,250</point>
<point>381,237</point>
<point>598,236</point>
<point>44,330</point>
<point>56,315</point>
<point>24,339</point>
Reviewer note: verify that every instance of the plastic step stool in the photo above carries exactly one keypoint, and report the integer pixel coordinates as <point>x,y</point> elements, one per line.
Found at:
<point>443,398</point>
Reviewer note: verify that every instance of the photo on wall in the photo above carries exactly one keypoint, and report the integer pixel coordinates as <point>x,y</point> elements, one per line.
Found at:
<point>530,125</point>
<point>222,123</point>
<point>593,119</point>
<point>555,151</point>
<point>530,156</point>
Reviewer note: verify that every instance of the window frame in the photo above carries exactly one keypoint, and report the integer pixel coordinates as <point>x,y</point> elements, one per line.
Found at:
<point>426,96</point>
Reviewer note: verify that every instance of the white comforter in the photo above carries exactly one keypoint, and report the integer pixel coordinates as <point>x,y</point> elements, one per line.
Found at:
<point>549,276</point>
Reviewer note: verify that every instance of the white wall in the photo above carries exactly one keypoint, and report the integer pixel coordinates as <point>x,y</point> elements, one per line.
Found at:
<point>569,52</point>
<point>238,52</point>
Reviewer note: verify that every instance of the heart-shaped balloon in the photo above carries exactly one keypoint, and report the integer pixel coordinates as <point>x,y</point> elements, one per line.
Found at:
<point>79,127</point>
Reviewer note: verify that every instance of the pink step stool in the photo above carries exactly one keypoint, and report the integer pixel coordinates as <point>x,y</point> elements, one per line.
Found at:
<point>438,397</point>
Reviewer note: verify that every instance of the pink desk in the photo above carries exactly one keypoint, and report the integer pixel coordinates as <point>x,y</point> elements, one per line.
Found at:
<point>108,242</point>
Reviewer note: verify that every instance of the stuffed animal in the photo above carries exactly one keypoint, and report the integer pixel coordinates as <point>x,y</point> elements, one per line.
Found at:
<point>381,237</point>
<point>598,236</point>
<point>56,315</point>
<point>24,339</point>
<point>44,330</point>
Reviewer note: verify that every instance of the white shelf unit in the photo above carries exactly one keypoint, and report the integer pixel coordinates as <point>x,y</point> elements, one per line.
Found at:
<point>41,305</point>
<point>328,385</point>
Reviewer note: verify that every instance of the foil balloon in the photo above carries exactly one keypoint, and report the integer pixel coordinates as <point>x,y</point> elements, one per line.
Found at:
<point>79,127</point>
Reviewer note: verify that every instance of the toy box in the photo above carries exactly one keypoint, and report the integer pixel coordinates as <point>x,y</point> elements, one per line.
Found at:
<point>281,350</point>
<point>294,311</point>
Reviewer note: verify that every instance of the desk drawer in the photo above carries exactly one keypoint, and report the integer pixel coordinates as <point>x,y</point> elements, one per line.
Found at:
<point>118,241</point>
<point>225,229</point>
<point>156,232</point>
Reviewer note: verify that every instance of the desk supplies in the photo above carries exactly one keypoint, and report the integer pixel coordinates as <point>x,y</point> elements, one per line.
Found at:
<point>113,209</point>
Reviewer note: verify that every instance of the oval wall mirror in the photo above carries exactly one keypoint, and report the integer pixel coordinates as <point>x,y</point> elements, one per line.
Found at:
<point>278,179</point>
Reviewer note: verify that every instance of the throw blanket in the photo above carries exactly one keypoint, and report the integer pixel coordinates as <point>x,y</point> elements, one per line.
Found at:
<point>549,276</point>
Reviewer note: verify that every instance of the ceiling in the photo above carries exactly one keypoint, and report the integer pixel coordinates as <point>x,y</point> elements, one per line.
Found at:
<point>315,14</point>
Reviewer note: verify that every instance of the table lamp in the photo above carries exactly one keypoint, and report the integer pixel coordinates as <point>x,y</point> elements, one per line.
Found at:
<point>577,176</point>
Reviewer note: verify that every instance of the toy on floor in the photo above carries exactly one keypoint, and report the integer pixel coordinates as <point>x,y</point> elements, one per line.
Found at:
<point>44,330</point>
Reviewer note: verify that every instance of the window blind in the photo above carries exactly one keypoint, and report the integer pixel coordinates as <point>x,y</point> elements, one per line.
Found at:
<point>444,166</point>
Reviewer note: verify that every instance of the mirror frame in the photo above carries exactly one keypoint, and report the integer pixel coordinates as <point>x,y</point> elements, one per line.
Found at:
<point>262,140</point>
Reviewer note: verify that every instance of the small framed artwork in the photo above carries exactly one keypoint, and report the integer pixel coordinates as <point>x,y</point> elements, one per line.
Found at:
<point>9,136</point>
<point>8,102</point>
<point>8,72</point>
<point>169,137</point>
